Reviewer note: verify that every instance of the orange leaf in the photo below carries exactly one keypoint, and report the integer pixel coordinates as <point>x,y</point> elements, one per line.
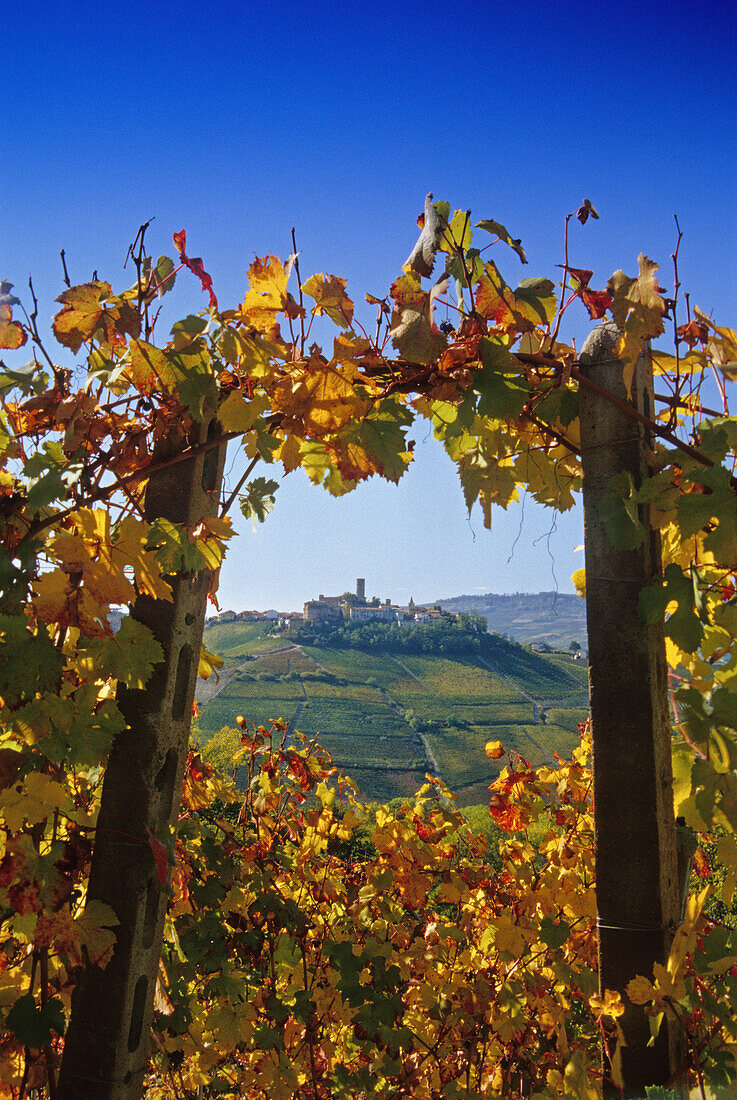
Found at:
<point>494,749</point>
<point>12,333</point>
<point>83,307</point>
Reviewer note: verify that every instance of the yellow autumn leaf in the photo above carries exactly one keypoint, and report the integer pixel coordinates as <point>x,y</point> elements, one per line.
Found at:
<point>94,928</point>
<point>318,399</point>
<point>103,573</point>
<point>608,1004</point>
<point>267,294</point>
<point>494,749</point>
<point>129,548</point>
<point>329,292</point>
<point>32,800</point>
<point>508,936</point>
<point>289,453</point>
<point>149,369</point>
<point>83,306</point>
<point>447,892</point>
<point>50,592</point>
<point>578,579</point>
<point>236,414</point>
<point>208,663</point>
<point>664,363</point>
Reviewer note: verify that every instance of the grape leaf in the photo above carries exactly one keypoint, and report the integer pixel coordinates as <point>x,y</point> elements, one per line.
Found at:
<point>682,625</point>
<point>12,333</point>
<point>32,1026</point>
<point>236,414</point>
<point>31,800</point>
<point>619,513</point>
<point>83,308</point>
<point>267,294</point>
<point>94,927</point>
<point>318,398</point>
<point>458,234</point>
<point>330,298</point>
<point>29,663</point>
<point>194,263</point>
<point>258,499</point>
<point>501,393</point>
<point>498,230</point>
<point>412,329</point>
<point>150,369</point>
<point>421,259</point>
<point>129,656</point>
<point>374,445</point>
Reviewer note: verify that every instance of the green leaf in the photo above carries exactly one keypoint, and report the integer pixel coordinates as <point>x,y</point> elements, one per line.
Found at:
<point>196,387</point>
<point>712,510</point>
<point>474,264</point>
<point>129,656</point>
<point>554,933</point>
<point>620,515</point>
<point>163,275</point>
<point>535,299</point>
<point>29,663</point>
<point>683,625</point>
<point>498,230</point>
<point>29,378</point>
<point>16,578</point>
<point>442,208</point>
<point>459,233</point>
<point>376,444</point>
<point>51,474</point>
<point>258,500</point>
<point>178,552</point>
<point>502,395</point>
<point>32,1026</point>
<point>560,405</point>
<point>188,331</point>
<point>94,727</point>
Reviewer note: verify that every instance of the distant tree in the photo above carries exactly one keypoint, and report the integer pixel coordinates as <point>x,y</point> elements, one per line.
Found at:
<point>221,748</point>
<point>574,647</point>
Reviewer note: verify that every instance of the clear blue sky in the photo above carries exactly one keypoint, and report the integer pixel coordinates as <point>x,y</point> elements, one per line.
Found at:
<point>238,120</point>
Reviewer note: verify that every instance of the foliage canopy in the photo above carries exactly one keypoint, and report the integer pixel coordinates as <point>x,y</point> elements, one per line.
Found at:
<point>410,973</point>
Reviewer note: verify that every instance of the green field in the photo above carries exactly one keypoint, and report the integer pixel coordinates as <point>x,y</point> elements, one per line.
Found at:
<point>371,710</point>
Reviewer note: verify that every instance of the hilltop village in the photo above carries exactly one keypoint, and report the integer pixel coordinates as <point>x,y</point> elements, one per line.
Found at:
<point>350,605</point>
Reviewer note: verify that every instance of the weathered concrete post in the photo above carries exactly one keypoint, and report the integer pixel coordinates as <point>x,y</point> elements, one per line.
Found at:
<point>107,1044</point>
<point>635,837</point>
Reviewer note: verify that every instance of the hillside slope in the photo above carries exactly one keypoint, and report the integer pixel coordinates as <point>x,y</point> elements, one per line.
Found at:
<point>388,718</point>
<point>553,617</point>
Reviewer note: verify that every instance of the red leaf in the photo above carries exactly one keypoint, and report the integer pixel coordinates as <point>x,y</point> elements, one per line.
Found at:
<point>423,830</point>
<point>161,857</point>
<point>580,275</point>
<point>194,263</point>
<point>597,302</point>
<point>197,768</point>
<point>298,769</point>
<point>693,333</point>
<point>701,864</point>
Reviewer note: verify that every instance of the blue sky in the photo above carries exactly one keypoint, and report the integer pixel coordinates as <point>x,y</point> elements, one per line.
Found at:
<point>238,121</point>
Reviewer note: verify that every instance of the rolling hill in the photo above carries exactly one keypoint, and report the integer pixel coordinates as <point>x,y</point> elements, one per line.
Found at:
<point>553,617</point>
<point>388,717</point>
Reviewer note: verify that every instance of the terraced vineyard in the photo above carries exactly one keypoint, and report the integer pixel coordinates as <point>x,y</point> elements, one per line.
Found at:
<point>389,718</point>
